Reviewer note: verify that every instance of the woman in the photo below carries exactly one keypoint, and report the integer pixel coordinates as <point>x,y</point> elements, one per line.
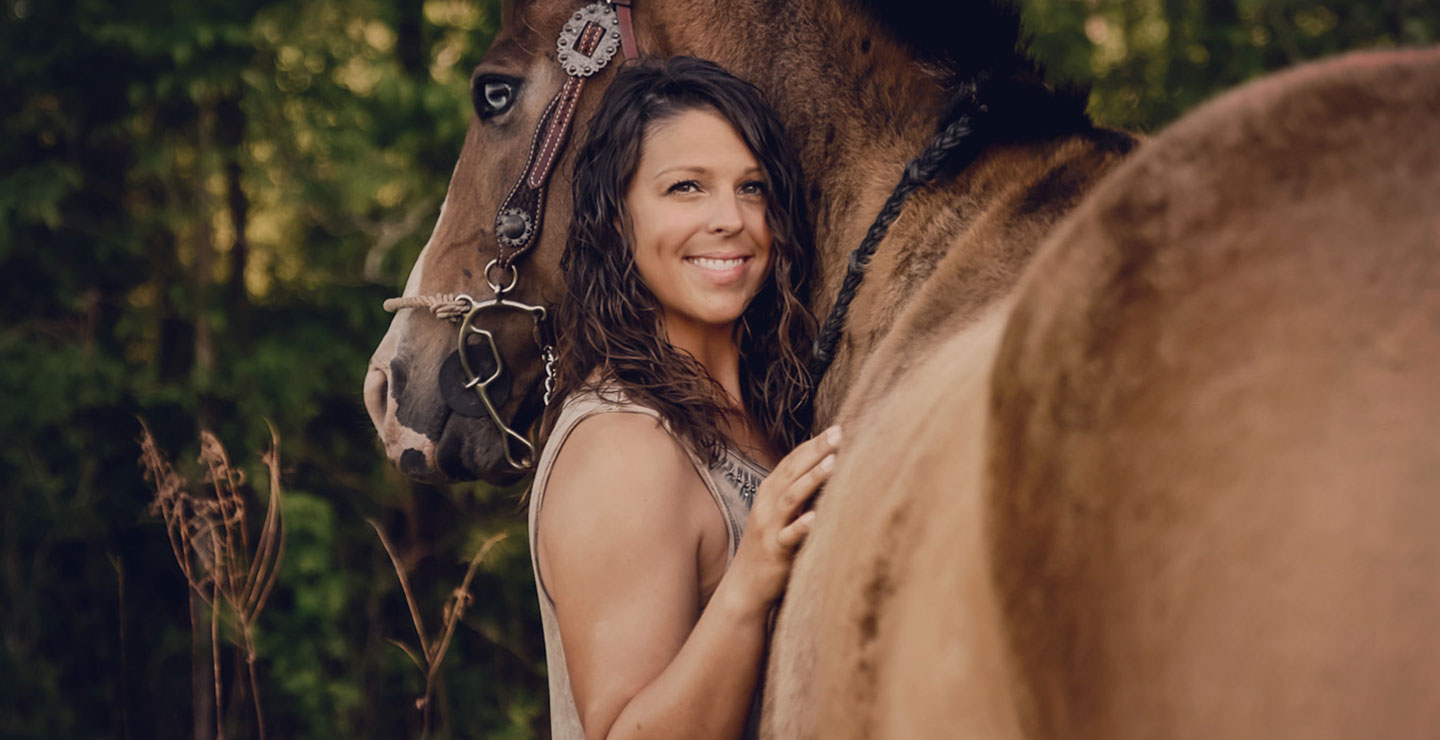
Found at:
<point>658,551</point>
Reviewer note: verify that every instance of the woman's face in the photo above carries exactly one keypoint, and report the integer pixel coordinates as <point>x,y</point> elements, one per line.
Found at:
<point>696,207</point>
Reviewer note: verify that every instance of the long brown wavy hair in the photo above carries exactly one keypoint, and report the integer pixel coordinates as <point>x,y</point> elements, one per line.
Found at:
<point>608,320</point>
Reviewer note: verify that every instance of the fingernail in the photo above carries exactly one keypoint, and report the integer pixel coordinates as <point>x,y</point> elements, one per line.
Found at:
<point>833,434</point>
<point>828,464</point>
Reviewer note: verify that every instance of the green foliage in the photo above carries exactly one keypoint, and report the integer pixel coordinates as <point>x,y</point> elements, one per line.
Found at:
<point>201,207</point>
<point>128,293</point>
<point>312,599</point>
<point>1151,60</point>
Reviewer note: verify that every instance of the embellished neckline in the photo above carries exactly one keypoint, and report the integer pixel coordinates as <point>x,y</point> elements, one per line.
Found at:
<point>749,461</point>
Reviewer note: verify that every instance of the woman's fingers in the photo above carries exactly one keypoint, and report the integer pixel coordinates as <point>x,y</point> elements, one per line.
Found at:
<point>807,455</point>
<point>795,532</point>
<point>804,487</point>
<point>776,525</point>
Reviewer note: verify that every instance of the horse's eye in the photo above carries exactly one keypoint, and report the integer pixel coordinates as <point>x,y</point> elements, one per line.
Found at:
<point>493,96</point>
<point>497,95</point>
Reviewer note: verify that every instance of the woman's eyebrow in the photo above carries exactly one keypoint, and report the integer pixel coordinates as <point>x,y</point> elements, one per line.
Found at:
<point>684,168</point>
<point>697,169</point>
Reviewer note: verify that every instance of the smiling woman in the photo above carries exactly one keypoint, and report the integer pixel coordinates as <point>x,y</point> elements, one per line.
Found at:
<point>687,167</point>
<point>660,540</point>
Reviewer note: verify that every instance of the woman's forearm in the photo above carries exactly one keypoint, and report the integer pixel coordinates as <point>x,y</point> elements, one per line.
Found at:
<point>708,689</point>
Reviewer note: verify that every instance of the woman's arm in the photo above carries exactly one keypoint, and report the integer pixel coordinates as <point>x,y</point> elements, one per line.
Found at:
<point>619,539</point>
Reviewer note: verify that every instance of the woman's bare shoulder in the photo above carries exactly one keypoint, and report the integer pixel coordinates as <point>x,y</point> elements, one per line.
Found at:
<point>620,472</point>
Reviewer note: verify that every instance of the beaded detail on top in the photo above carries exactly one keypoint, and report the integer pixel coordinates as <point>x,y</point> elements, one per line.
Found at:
<point>743,475</point>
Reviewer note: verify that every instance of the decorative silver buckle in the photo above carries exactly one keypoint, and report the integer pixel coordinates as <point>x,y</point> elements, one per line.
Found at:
<point>575,62</point>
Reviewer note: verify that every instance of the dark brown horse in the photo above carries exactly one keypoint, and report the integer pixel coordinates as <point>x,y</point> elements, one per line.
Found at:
<point>1167,469</point>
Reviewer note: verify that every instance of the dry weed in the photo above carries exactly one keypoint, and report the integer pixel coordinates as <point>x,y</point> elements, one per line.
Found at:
<point>432,651</point>
<point>210,538</point>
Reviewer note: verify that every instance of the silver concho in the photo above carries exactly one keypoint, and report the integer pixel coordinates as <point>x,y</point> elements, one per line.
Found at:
<point>577,64</point>
<point>514,242</point>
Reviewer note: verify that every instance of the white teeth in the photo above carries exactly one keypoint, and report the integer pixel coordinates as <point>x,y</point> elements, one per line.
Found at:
<point>711,263</point>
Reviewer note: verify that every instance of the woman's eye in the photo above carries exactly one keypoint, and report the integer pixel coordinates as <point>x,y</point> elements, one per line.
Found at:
<point>684,186</point>
<point>493,96</point>
<point>754,187</point>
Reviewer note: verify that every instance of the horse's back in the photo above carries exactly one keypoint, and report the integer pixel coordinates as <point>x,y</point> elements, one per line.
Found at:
<point>1214,467</point>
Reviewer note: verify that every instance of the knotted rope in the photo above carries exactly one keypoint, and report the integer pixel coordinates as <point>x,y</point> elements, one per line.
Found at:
<point>920,171</point>
<point>448,306</point>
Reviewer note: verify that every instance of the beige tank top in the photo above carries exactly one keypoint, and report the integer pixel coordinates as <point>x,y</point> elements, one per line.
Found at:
<point>731,482</point>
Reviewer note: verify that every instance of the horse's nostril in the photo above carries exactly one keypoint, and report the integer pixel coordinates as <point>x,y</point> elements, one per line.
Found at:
<point>413,463</point>
<point>377,395</point>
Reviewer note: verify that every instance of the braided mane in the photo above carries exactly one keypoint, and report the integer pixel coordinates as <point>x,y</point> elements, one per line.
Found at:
<point>998,93</point>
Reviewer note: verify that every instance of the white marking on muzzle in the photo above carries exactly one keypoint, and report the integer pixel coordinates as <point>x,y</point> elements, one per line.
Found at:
<point>395,436</point>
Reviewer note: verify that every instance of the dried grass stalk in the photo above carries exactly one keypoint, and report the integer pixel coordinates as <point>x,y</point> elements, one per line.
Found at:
<point>209,536</point>
<point>432,652</point>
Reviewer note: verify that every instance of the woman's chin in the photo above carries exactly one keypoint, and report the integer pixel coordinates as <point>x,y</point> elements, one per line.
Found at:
<point>721,307</point>
<point>723,316</point>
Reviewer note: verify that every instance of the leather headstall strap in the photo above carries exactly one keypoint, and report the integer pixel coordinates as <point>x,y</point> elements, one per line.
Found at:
<point>587,43</point>
<point>627,31</point>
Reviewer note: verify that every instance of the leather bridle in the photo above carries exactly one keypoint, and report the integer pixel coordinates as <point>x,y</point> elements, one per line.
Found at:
<point>587,42</point>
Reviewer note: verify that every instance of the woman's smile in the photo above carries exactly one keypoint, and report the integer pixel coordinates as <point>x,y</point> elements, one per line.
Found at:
<point>721,270</point>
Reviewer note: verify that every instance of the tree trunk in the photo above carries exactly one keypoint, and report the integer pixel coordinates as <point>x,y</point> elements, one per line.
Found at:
<point>203,267</point>
<point>175,353</point>
<point>230,127</point>
<point>410,44</point>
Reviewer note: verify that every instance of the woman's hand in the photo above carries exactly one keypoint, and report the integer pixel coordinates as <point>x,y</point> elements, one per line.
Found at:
<point>774,531</point>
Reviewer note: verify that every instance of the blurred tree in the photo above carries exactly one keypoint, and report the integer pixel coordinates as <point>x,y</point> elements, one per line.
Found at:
<point>187,200</point>
<point>1151,60</point>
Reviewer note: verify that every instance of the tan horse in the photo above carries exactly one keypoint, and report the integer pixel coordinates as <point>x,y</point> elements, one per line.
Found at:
<point>1188,485</point>
<point>1166,478</point>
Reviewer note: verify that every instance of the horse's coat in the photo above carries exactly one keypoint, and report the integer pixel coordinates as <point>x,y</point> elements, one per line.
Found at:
<point>1167,469</point>
<point>1213,460</point>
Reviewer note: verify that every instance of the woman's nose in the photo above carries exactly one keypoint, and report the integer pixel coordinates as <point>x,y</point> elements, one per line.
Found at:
<point>725,214</point>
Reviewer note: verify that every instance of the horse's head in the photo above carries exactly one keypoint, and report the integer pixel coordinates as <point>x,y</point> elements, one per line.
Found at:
<point>502,226</point>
